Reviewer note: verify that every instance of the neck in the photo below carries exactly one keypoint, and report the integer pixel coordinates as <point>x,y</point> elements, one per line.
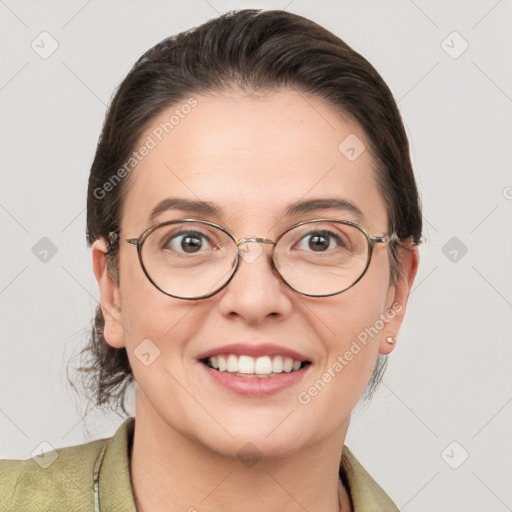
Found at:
<point>172,472</point>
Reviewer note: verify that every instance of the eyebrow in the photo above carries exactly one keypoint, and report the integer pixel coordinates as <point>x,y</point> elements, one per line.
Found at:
<point>297,208</point>
<point>186,205</point>
<point>329,203</point>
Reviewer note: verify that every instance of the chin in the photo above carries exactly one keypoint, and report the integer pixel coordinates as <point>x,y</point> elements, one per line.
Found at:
<point>250,448</point>
<point>266,435</point>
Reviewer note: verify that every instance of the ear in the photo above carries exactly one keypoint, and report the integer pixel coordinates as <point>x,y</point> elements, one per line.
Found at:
<point>109,296</point>
<point>398,296</point>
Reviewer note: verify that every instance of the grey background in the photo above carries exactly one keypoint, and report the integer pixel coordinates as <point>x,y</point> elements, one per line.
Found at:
<point>449,378</point>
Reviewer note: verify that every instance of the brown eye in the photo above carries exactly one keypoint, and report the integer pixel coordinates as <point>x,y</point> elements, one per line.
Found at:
<point>321,241</point>
<point>189,242</point>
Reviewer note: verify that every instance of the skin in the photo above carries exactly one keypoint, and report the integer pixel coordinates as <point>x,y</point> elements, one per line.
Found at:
<point>252,155</point>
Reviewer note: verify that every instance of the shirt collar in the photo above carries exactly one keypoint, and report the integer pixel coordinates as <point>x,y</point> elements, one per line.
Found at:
<point>115,489</point>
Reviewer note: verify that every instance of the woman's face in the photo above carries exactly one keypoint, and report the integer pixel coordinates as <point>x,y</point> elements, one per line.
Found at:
<point>252,156</point>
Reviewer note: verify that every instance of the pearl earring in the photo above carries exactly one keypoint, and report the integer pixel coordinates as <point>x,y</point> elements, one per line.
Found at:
<point>390,340</point>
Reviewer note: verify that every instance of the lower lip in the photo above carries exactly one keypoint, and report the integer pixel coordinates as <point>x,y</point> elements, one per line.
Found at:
<point>255,386</point>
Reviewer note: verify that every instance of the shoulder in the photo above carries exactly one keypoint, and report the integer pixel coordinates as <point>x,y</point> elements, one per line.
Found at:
<point>56,480</point>
<point>366,494</point>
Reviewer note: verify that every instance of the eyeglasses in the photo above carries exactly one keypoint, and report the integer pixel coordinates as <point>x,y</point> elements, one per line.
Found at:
<point>194,259</point>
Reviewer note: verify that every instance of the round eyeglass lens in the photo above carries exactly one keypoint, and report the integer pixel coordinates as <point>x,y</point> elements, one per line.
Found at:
<point>188,259</point>
<point>322,258</point>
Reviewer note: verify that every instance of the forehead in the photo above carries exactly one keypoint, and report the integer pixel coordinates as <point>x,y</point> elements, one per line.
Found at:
<point>252,155</point>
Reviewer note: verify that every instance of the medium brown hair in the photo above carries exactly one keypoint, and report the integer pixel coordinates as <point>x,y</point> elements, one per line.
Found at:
<point>252,50</point>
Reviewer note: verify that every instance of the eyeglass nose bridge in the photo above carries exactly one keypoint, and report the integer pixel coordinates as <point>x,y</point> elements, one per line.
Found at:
<point>255,239</point>
<point>250,256</point>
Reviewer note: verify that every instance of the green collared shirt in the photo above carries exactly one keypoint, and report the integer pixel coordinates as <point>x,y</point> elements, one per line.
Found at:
<point>95,477</point>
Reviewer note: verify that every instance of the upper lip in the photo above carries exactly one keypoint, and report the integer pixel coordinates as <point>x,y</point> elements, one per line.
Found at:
<point>262,349</point>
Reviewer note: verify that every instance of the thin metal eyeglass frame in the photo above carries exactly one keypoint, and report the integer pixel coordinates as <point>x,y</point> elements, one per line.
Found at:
<point>371,240</point>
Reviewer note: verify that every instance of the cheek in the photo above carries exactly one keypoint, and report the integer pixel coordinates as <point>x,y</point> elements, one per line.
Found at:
<point>356,321</point>
<point>154,323</point>
<point>355,341</point>
<point>351,348</point>
<point>158,348</point>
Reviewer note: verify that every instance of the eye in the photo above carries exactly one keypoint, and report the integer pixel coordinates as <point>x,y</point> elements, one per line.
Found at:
<point>321,241</point>
<point>189,242</point>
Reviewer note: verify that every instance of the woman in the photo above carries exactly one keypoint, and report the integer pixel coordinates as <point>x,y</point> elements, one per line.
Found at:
<point>254,223</point>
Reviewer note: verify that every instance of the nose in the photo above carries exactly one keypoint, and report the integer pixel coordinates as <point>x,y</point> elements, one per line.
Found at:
<point>256,291</point>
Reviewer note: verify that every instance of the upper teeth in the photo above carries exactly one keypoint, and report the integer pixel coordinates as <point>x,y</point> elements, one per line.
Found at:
<point>264,365</point>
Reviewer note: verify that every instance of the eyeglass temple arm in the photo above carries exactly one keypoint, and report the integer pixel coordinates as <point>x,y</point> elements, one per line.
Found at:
<point>393,237</point>
<point>114,237</point>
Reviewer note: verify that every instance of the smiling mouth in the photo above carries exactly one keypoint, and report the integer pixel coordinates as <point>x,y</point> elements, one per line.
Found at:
<point>259,367</point>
